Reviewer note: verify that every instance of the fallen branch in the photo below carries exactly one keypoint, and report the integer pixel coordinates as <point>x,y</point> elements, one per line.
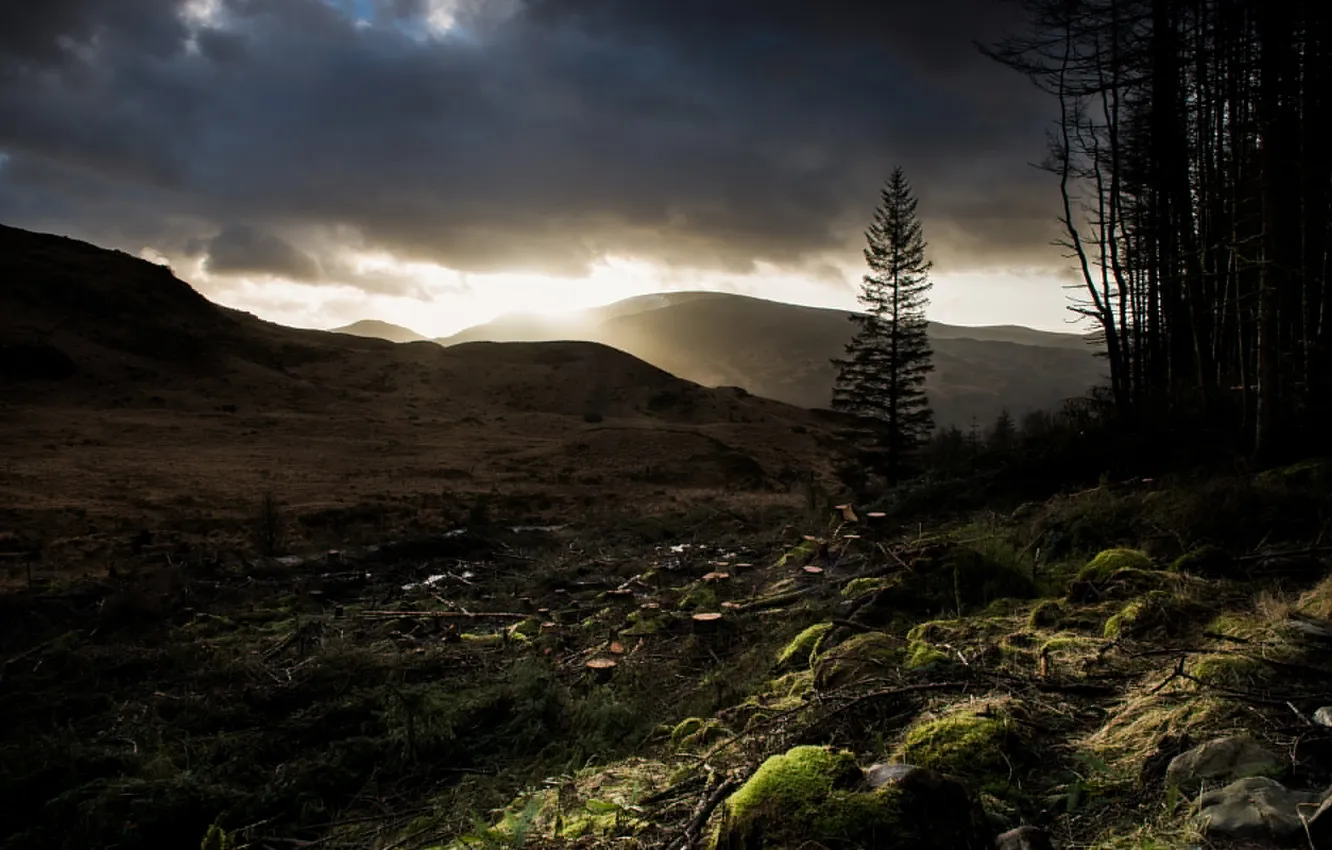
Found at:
<point>447,615</point>
<point>853,625</point>
<point>704,811</point>
<point>779,600</point>
<point>1291,553</point>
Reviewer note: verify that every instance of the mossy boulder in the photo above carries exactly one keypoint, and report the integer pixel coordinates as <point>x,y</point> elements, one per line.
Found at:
<point>596,802</point>
<point>1045,615</point>
<point>859,587</point>
<point>923,656</point>
<point>1141,617</point>
<point>1228,670</point>
<point>979,743</point>
<point>1116,574</point>
<point>866,656</point>
<point>802,646</point>
<point>947,577</point>
<point>1111,561</point>
<point>818,796</point>
<point>1205,561</point>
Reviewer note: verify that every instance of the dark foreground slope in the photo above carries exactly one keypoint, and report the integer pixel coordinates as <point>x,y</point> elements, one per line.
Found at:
<point>579,687</point>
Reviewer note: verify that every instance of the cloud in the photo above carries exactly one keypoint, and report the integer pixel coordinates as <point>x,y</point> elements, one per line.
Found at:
<point>243,249</point>
<point>523,135</point>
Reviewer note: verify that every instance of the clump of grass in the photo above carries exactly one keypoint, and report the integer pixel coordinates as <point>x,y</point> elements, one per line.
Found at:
<point>1130,735</point>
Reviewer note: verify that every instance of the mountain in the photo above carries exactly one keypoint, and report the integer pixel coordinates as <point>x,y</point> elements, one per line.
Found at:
<point>121,385</point>
<point>380,330</point>
<point>783,351</point>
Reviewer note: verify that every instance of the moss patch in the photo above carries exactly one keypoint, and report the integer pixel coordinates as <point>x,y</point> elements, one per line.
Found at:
<point>1205,561</point>
<point>974,743</point>
<point>1045,615</point>
<point>864,586</point>
<point>1318,601</point>
<point>1227,670</point>
<point>696,732</point>
<point>866,656</point>
<point>601,802</point>
<point>811,797</point>
<point>923,656</point>
<point>1138,617</point>
<point>800,648</point>
<point>1111,561</point>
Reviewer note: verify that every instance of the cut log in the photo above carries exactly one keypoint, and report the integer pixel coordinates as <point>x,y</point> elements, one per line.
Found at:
<point>601,668</point>
<point>707,622</point>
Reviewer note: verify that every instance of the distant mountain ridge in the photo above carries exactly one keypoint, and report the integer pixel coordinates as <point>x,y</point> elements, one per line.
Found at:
<point>375,329</point>
<point>784,351</point>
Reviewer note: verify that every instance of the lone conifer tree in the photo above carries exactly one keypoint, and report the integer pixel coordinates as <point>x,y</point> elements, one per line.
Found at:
<point>882,377</point>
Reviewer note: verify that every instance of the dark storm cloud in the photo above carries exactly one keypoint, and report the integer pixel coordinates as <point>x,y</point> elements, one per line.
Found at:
<point>243,249</point>
<point>538,135</point>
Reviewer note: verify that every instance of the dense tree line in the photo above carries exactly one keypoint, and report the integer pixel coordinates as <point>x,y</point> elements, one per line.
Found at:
<point>1195,190</point>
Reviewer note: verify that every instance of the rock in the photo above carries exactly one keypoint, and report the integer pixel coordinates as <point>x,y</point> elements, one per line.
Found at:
<point>818,796</point>
<point>1258,809</point>
<point>1320,825</point>
<point>1024,838</point>
<point>1222,760</point>
<point>1154,767</point>
<point>879,775</point>
<point>1323,716</point>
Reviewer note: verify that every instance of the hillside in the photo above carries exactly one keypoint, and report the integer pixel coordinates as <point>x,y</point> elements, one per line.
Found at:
<point>782,351</point>
<point>122,386</point>
<point>379,330</point>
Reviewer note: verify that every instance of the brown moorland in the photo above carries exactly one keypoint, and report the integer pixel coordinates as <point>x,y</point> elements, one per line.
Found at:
<point>129,402</point>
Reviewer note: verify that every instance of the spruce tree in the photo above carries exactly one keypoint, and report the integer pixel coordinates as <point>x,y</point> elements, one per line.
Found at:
<point>882,377</point>
<point>1003,434</point>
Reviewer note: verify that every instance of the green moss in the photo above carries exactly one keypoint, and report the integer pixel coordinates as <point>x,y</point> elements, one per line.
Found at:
<point>700,597</point>
<point>922,656</point>
<point>972,744</point>
<point>800,554</point>
<point>1229,670</point>
<point>529,628</point>
<point>645,622</point>
<point>805,796</point>
<point>217,838</point>
<point>800,648</point>
<point>784,692</point>
<point>598,802</point>
<point>865,656</point>
<point>1204,561</point>
<point>696,732</point>
<point>863,586</point>
<point>1111,561</point>
<point>1128,620</point>
<point>1045,615</point>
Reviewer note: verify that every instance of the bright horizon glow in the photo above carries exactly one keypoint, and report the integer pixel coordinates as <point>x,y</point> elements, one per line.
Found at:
<point>435,301</point>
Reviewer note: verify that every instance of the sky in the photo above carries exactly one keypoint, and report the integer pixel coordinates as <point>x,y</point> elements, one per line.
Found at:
<point>435,163</point>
